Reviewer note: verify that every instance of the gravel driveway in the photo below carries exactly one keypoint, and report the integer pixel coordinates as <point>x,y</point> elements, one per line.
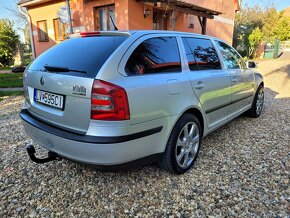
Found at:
<point>243,170</point>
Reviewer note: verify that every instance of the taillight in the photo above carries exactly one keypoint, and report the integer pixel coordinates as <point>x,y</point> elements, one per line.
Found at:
<point>88,34</point>
<point>109,102</point>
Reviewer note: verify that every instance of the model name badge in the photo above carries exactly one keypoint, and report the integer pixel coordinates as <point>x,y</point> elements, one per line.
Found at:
<point>79,90</point>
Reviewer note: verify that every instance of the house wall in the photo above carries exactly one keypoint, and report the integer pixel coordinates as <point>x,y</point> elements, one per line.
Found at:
<point>223,25</point>
<point>130,16</point>
<point>136,19</point>
<point>44,12</point>
<point>121,13</point>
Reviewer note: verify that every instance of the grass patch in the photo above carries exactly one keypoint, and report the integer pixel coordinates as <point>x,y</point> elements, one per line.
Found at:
<point>11,80</point>
<point>9,93</point>
<point>5,68</point>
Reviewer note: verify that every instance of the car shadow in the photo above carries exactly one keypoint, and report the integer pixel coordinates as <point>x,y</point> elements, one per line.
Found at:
<point>285,70</point>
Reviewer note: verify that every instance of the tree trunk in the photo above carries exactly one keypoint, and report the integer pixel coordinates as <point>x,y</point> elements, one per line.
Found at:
<point>20,49</point>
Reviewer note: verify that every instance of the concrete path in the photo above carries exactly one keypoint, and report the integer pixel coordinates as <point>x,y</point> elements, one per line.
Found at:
<point>5,71</point>
<point>12,89</point>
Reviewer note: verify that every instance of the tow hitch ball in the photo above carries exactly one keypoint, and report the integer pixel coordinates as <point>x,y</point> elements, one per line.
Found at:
<point>50,155</point>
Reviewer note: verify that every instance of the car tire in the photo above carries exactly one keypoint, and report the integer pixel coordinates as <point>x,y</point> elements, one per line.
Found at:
<point>258,103</point>
<point>183,145</point>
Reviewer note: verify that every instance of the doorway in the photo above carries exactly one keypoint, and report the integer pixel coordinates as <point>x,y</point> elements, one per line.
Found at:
<point>159,19</point>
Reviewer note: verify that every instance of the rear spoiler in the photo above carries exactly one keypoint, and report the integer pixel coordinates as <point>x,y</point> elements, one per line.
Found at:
<point>98,33</point>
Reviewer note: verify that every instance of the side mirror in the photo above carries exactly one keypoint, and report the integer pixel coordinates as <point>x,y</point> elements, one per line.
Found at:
<point>252,64</point>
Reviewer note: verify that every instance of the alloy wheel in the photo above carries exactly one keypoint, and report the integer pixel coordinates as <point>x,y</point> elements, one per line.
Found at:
<point>187,145</point>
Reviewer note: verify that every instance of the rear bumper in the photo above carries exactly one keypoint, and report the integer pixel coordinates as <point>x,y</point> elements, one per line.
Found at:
<point>96,150</point>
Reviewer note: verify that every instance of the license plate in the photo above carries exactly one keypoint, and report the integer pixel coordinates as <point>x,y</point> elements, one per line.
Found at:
<point>48,98</point>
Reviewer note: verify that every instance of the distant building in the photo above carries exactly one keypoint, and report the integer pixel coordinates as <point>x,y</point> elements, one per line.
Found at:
<point>49,21</point>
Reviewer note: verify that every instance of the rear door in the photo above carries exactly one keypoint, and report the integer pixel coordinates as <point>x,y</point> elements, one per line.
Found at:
<point>211,83</point>
<point>154,82</point>
<point>242,79</point>
<point>58,83</point>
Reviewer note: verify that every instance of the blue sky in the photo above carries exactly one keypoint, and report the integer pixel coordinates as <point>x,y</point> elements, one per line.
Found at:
<point>279,4</point>
<point>4,13</point>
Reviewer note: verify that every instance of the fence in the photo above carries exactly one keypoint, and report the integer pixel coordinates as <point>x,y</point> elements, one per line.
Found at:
<point>285,45</point>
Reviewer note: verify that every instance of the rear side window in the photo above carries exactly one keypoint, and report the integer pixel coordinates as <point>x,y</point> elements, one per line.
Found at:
<point>201,54</point>
<point>81,54</point>
<point>155,55</point>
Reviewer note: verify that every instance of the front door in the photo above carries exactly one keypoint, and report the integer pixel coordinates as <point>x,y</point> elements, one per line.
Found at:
<point>242,79</point>
<point>211,83</point>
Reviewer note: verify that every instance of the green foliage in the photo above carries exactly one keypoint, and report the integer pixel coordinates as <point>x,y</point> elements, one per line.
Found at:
<point>8,41</point>
<point>282,28</point>
<point>254,39</point>
<point>256,24</point>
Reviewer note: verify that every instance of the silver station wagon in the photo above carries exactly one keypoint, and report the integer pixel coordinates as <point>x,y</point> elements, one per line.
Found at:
<point>115,98</point>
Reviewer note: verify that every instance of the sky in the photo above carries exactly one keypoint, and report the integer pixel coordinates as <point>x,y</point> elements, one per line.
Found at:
<point>4,13</point>
<point>278,4</point>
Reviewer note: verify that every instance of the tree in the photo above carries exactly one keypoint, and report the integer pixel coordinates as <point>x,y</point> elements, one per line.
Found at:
<point>254,40</point>
<point>282,29</point>
<point>26,33</point>
<point>9,40</point>
<point>245,22</point>
<point>20,17</point>
<point>255,24</point>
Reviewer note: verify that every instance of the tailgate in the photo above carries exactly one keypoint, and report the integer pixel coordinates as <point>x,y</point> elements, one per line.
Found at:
<point>65,74</point>
<point>74,115</point>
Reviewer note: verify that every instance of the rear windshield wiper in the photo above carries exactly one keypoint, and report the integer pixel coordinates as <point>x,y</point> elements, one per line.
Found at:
<point>61,69</point>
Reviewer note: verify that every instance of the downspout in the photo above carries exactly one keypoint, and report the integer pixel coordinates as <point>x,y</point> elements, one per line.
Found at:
<point>30,31</point>
<point>69,17</point>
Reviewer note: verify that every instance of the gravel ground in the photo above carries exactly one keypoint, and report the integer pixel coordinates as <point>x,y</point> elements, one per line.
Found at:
<point>243,170</point>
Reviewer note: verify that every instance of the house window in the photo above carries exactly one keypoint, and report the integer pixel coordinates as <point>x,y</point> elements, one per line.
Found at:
<point>105,18</point>
<point>42,31</point>
<point>59,29</point>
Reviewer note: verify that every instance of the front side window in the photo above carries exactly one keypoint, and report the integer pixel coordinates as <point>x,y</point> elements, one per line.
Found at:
<point>42,31</point>
<point>155,55</point>
<point>231,58</point>
<point>201,54</point>
<point>105,18</point>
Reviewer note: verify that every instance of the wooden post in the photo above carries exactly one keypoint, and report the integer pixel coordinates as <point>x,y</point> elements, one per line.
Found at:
<point>203,26</point>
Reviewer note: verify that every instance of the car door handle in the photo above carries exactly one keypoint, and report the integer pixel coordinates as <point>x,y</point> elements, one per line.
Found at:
<point>235,80</point>
<point>199,85</point>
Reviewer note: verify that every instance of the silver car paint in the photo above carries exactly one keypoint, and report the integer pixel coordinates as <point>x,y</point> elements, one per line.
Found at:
<point>154,100</point>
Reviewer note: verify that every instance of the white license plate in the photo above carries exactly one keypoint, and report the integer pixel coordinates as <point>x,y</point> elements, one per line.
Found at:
<point>49,99</point>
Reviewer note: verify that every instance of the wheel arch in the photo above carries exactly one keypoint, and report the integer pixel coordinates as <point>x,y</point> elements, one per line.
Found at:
<point>196,112</point>
<point>258,80</point>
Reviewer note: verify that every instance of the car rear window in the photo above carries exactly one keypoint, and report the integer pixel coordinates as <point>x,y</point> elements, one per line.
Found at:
<point>80,54</point>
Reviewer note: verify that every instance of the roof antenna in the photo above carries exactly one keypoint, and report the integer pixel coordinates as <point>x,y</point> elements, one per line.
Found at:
<point>113,22</point>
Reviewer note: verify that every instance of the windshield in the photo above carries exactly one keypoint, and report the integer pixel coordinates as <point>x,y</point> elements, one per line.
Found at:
<point>79,54</point>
